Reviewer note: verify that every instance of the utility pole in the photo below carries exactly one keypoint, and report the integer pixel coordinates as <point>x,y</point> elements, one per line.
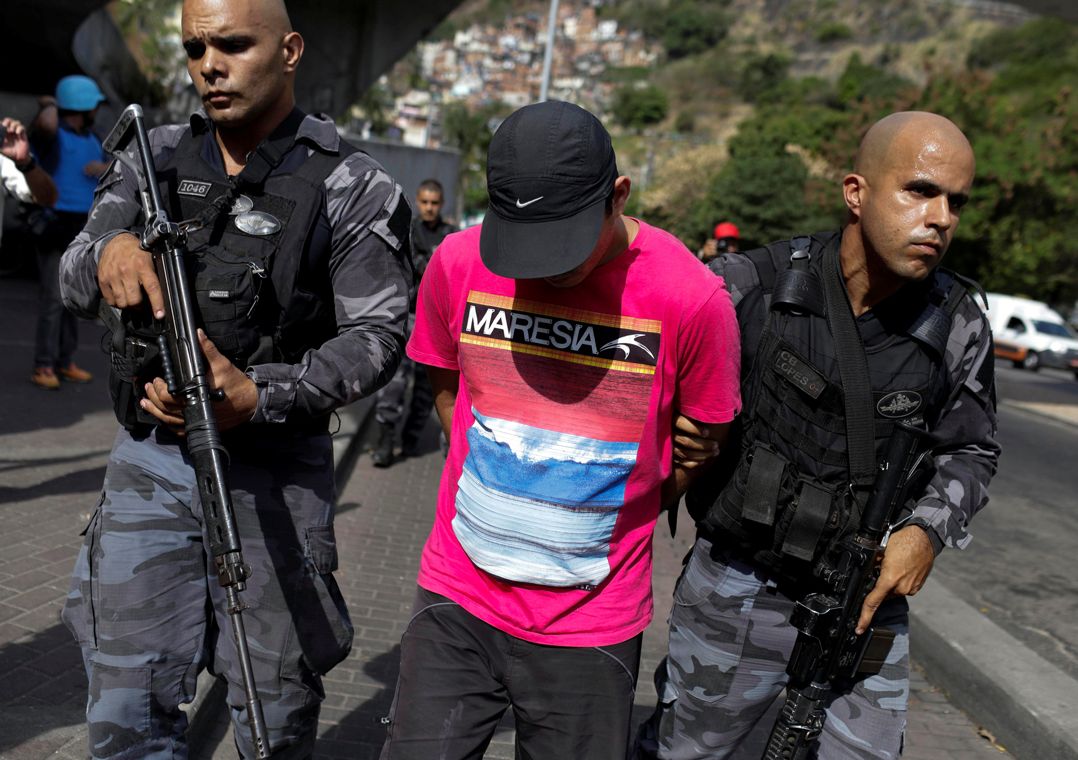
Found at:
<point>548,56</point>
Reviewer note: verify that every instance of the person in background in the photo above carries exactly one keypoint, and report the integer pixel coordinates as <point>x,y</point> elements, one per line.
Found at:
<point>72,155</point>
<point>428,231</point>
<point>726,239</point>
<point>21,176</point>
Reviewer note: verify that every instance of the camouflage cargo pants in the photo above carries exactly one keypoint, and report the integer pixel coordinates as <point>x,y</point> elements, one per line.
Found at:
<point>148,612</point>
<point>730,640</point>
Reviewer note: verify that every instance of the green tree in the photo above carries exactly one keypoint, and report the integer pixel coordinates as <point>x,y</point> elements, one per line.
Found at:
<point>638,107</point>
<point>469,130</point>
<point>833,31</point>
<point>765,189</point>
<point>862,81</point>
<point>690,28</point>
<point>151,28</point>
<point>1017,107</point>
<point>762,77</point>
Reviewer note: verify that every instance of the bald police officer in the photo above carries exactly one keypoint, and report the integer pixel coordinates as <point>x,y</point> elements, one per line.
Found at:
<point>768,517</point>
<point>299,263</point>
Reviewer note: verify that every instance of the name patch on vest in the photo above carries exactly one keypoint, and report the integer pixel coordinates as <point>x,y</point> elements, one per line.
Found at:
<point>899,404</point>
<point>804,377</point>
<point>191,187</point>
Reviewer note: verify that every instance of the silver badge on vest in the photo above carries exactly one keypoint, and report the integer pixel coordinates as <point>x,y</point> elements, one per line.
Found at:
<point>241,205</point>
<point>258,223</point>
<point>899,404</point>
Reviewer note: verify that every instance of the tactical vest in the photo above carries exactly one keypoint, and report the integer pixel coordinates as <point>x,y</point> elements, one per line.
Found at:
<point>262,291</point>
<point>789,495</point>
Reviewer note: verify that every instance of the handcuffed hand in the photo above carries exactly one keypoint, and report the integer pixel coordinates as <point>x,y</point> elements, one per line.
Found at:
<point>907,561</point>
<point>240,394</point>
<point>125,272</point>
<point>695,443</point>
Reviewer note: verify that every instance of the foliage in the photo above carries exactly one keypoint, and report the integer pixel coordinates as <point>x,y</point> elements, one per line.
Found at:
<point>765,189</point>
<point>762,76</point>
<point>690,27</point>
<point>833,31</point>
<point>469,130</point>
<point>1018,233</point>
<point>152,30</point>
<point>863,81</point>
<point>685,123</point>
<point>685,27</point>
<point>376,105</point>
<point>638,107</point>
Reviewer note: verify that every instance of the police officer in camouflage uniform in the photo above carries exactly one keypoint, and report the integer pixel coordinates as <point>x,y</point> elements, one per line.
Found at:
<point>767,515</point>
<point>428,232</point>
<point>300,269</point>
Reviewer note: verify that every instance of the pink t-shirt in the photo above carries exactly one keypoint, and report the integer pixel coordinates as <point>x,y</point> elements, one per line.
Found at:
<point>562,427</point>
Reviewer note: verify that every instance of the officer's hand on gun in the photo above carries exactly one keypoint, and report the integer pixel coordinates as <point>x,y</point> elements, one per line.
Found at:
<point>238,394</point>
<point>907,561</point>
<point>124,273</point>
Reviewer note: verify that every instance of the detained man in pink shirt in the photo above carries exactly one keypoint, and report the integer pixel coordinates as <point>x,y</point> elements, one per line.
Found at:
<point>561,338</point>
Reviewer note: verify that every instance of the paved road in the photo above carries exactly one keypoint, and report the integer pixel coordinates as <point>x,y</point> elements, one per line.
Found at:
<point>1019,568</point>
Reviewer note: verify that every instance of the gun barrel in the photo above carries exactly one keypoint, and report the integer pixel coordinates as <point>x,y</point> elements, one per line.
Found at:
<point>888,486</point>
<point>209,457</point>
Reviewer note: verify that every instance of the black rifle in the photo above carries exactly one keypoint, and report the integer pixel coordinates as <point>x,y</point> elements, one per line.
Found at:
<point>828,650</point>
<point>184,370</point>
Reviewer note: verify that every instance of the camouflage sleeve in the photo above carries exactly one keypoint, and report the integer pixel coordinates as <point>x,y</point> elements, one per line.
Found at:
<point>370,273</point>
<point>116,209</point>
<point>966,453</point>
<point>739,275</point>
<point>743,282</point>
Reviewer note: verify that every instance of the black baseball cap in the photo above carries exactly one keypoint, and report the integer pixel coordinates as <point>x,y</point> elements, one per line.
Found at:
<point>550,170</point>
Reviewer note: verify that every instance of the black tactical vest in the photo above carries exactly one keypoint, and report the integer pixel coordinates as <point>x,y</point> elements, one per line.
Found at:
<point>787,497</point>
<point>262,290</point>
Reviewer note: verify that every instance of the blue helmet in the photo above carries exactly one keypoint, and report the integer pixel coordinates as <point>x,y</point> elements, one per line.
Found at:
<point>78,93</point>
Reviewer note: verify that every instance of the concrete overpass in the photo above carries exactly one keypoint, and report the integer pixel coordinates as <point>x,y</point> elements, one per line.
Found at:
<point>350,43</point>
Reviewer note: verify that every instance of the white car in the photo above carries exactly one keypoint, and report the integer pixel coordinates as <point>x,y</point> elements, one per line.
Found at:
<point>1031,334</point>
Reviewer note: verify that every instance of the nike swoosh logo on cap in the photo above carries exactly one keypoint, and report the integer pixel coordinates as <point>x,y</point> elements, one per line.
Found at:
<point>533,200</point>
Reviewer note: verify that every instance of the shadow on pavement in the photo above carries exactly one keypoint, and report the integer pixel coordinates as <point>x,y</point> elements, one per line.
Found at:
<point>80,481</point>
<point>43,694</point>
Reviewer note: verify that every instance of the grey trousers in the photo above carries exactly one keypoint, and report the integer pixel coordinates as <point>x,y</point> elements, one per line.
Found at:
<point>57,334</point>
<point>148,612</point>
<point>730,640</point>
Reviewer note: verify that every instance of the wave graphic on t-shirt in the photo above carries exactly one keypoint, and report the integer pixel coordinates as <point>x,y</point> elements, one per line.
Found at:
<point>539,506</point>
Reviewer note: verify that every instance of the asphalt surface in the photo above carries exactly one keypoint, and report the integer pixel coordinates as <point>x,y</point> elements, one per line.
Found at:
<point>53,447</point>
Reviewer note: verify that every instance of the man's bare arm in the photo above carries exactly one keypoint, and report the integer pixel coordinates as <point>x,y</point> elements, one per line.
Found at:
<point>696,447</point>
<point>444,383</point>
